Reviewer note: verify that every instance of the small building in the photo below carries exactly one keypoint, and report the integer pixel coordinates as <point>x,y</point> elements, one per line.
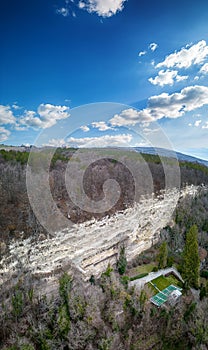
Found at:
<point>174,297</point>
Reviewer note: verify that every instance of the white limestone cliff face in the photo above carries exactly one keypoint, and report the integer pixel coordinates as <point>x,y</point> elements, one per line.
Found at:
<point>90,246</point>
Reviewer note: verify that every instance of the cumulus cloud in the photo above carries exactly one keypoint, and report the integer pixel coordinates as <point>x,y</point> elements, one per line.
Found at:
<point>16,107</point>
<point>205,126</point>
<point>6,115</point>
<point>4,134</point>
<point>101,126</point>
<point>176,104</point>
<point>131,117</point>
<point>102,141</point>
<point>186,57</point>
<point>167,77</point>
<point>85,128</point>
<point>153,46</point>
<point>142,53</point>
<point>56,143</point>
<point>197,123</point>
<point>49,112</point>
<point>64,11</point>
<point>47,115</point>
<point>103,8</point>
<point>164,105</point>
<point>29,119</point>
<point>204,69</point>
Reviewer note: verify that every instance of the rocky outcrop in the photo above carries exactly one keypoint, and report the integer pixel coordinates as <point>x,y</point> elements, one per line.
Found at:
<point>90,246</point>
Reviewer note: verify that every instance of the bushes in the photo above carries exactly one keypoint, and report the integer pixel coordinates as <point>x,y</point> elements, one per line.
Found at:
<point>204,274</point>
<point>138,276</point>
<point>20,157</point>
<point>65,284</point>
<point>122,262</point>
<point>124,280</point>
<point>17,303</point>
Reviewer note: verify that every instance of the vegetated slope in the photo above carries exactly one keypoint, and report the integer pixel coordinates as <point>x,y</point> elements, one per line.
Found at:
<point>103,313</point>
<point>106,313</point>
<point>168,153</point>
<point>16,214</point>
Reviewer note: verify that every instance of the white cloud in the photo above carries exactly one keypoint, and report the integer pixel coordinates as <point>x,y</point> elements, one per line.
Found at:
<point>167,77</point>
<point>64,11</point>
<point>186,57</point>
<point>181,77</point>
<point>103,8</point>
<point>197,123</point>
<point>153,46</point>
<point>85,128</point>
<point>142,53</point>
<point>204,69</point>
<point>81,5</point>
<point>6,115</point>
<point>176,104</point>
<point>48,111</point>
<point>205,126</point>
<point>30,119</point>
<point>101,126</point>
<point>102,141</point>
<point>149,131</point>
<point>46,116</point>
<point>164,105</point>
<point>16,107</point>
<point>131,117</point>
<point>56,143</point>
<point>196,77</point>
<point>4,134</point>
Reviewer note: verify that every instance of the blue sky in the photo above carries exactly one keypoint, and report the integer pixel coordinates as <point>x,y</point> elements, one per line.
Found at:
<point>151,57</point>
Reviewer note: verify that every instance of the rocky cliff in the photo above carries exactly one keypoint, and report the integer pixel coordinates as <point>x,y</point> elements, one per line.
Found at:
<point>90,246</point>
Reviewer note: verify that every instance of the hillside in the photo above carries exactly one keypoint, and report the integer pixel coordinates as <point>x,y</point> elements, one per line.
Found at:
<point>15,210</point>
<point>63,290</point>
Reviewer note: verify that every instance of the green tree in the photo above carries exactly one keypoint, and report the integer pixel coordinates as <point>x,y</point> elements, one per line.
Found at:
<point>162,256</point>
<point>17,302</point>
<point>122,261</point>
<point>191,261</point>
<point>65,285</point>
<point>142,299</point>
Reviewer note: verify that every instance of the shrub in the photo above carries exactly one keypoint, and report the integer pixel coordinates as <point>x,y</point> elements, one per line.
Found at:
<point>204,273</point>
<point>122,262</point>
<point>138,276</point>
<point>124,280</point>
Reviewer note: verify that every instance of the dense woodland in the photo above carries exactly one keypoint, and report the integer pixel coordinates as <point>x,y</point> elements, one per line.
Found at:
<point>106,313</point>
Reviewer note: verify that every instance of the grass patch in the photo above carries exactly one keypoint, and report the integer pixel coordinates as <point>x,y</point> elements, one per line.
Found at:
<point>162,282</point>
<point>173,280</point>
<point>145,268</point>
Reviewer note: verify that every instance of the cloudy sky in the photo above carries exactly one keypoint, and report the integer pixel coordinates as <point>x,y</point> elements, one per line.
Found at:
<point>150,61</point>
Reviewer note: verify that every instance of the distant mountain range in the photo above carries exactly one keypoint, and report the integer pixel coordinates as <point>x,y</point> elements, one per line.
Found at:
<point>168,153</point>
<point>148,150</point>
